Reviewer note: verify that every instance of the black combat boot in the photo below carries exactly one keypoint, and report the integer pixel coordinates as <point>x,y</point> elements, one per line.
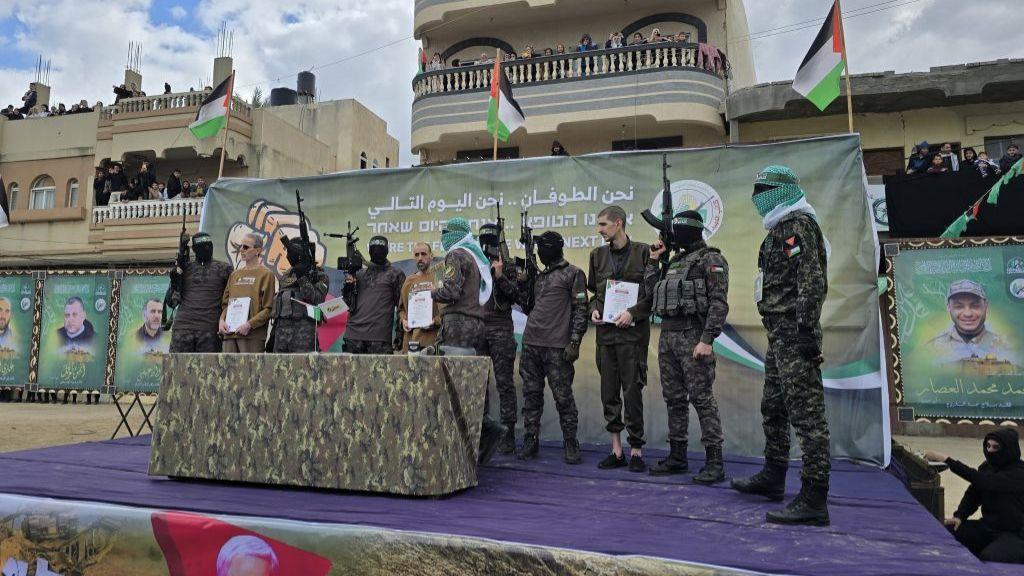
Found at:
<point>810,506</point>
<point>490,434</point>
<point>713,471</point>
<point>675,463</point>
<point>508,441</point>
<point>770,482</point>
<point>531,445</point>
<point>572,451</point>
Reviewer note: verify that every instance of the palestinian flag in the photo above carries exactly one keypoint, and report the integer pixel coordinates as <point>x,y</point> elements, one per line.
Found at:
<point>504,116</point>
<point>5,209</point>
<point>423,61</point>
<point>212,115</point>
<point>820,72</point>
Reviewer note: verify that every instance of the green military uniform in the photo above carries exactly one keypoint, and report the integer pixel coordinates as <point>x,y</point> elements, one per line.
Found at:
<point>294,330</point>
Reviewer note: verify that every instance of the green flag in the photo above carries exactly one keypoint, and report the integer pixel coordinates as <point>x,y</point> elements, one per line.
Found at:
<point>956,228</point>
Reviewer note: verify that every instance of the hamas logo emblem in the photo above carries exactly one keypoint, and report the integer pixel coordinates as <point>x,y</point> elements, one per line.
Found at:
<point>880,212</point>
<point>1015,265</point>
<point>695,195</point>
<point>1017,288</point>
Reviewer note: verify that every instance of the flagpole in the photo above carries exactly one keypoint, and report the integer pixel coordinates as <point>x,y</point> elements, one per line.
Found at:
<point>849,90</point>
<point>227,124</point>
<point>497,66</point>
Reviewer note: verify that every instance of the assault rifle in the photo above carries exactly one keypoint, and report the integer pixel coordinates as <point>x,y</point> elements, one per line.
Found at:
<point>502,242</point>
<point>304,232</point>
<point>529,264</point>
<point>181,260</point>
<point>664,225</point>
<point>351,262</point>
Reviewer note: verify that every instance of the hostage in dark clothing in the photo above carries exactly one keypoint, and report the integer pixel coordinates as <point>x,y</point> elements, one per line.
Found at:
<point>997,487</point>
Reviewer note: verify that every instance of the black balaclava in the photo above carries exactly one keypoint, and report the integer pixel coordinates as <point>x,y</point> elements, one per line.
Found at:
<point>489,239</point>
<point>378,250</point>
<point>688,229</point>
<point>202,245</point>
<point>1009,447</point>
<point>549,247</point>
<point>298,255</point>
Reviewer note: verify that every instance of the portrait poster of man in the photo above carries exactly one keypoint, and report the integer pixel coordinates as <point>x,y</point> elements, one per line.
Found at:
<point>960,331</point>
<point>141,340</point>
<point>73,341</point>
<point>17,304</point>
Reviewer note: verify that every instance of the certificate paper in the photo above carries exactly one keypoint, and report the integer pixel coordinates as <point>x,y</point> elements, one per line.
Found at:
<point>421,310</point>
<point>618,297</point>
<point>238,313</point>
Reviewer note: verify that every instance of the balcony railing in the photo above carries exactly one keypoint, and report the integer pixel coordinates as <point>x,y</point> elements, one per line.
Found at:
<point>139,209</point>
<point>575,65</point>
<point>179,101</point>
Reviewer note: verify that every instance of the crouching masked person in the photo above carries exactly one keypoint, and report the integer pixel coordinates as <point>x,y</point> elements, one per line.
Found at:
<point>303,286</point>
<point>199,301</point>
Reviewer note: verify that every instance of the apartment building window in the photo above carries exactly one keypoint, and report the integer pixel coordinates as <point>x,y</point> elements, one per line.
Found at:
<point>996,146</point>
<point>12,196</point>
<point>71,200</point>
<point>42,194</point>
<point>387,162</point>
<point>362,160</point>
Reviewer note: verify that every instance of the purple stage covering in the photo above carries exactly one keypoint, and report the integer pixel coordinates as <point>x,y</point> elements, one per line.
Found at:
<point>877,527</point>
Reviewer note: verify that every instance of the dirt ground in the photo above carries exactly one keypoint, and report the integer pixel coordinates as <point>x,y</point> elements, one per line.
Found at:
<point>24,426</point>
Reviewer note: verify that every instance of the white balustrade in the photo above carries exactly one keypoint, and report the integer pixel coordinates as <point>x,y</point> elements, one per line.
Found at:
<point>140,209</point>
<point>176,101</point>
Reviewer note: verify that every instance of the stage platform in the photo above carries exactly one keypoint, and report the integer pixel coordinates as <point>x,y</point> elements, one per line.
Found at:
<point>877,527</point>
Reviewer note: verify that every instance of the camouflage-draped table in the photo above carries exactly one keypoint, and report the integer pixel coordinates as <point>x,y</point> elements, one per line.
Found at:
<point>400,424</point>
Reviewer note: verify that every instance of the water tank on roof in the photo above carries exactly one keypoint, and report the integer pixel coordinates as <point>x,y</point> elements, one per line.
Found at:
<point>282,97</point>
<point>306,85</point>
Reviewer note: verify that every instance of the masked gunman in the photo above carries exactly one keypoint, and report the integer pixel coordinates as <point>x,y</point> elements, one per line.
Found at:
<point>554,330</point>
<point>499,341</point>
<point>202,284</point>
<point>371,320</point>
<point>464,291</point>
<point>622,341</point>
<point>997,487</point>
<point>692,301</point>
<point>790,290</point>
<point>303,287</point>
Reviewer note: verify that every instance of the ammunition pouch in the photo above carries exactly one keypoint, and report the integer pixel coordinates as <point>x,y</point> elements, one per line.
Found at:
<point>286,308</point>
<point>678,296</point>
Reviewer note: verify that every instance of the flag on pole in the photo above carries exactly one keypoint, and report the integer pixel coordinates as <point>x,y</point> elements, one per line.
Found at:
<point>213,111</point>
<point>423,60</point>
<point>5,209</point>
<point>820,72</point>
<point>504,116</point>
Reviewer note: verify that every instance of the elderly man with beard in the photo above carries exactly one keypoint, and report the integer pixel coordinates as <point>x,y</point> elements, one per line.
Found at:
<point>422,280</point>
<point>790,291</point>
<point>968,337</point>
<point>371,320</point>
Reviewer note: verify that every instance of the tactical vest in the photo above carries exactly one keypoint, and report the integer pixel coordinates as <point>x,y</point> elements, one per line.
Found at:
<point>678,296</point>
<point>285,307</point>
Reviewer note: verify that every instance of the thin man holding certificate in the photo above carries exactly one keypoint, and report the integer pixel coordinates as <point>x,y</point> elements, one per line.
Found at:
<point>419,315</point>
<point>247,299</point>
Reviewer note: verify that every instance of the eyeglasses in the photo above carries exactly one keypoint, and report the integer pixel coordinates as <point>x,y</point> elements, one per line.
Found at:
<point>244,247</point>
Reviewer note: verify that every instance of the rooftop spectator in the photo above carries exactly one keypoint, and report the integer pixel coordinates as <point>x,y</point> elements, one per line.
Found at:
<point>61,110</point>
<point>186,189</point>
<point>949,158</point>
<point>484,59</point>
<point>174,184</point>
<point>986,166</point>
<point>615,40</point>
<point>167,88</point>
<point>118,181</point>
<point>435,62</point>
<point>1010,158</point>
<point>199,190</point>
<point>656,36</point>
<point>121,92</point>
<point>146,175</point>
<point>970,159</point>
<point>918,162</point>
<point>29,100</point>
<point>557,149</point>
<point>683,37</point>
<point>937,165</point>
<point>560,49</point>
<point>100,188</point>
<point>549,52</point>
<point>528,52</point>
<point>586,44</point>
<point>637,39</point>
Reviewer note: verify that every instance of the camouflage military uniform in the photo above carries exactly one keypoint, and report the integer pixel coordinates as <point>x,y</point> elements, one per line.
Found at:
<point>199,307</point>
<point>685,379</point>
<point>558,318</point>
<point>294,331</point>
<point>499,343</point>
<point>792,259</point>
<point>462,318</point>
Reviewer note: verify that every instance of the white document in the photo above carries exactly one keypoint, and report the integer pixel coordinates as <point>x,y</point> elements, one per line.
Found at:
<point>333,307</point>
<point>421,310</point>
<point>758,286</point>
<point>619,296</point>
<point>238,313</point>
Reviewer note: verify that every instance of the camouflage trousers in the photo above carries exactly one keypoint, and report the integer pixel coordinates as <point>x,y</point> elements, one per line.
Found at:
<point>686,380</point>
<point>619,366</point>
<point>462,331</point>
<point>195,341</point>
<point>499,344</point>
<point>294,336</point>
<point>793,395</point>
<point>353,346</point>
<point>537,363</point>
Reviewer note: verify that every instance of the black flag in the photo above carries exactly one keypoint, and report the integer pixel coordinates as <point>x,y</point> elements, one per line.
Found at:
<point>5,210</point>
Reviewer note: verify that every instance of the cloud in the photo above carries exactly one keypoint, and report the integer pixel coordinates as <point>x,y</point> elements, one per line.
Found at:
<point>178,13</point>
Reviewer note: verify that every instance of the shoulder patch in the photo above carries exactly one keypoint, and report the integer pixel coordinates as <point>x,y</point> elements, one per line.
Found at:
<point>791,246</point>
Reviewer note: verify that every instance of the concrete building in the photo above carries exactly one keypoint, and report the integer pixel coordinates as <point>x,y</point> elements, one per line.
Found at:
<point>979,105</point>
<point>648,96</point>
<point>48,166</point>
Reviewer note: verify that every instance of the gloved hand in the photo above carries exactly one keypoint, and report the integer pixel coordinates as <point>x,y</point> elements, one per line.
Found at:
<point>806,344</point>
<point>572,351</point>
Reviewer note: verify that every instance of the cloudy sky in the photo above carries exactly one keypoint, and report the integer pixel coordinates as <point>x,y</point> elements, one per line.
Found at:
<point>87,41</point>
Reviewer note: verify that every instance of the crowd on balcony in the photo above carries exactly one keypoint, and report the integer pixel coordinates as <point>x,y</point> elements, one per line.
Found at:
<point>708,56</point>
<point>924,161</point>
<point>114,185</point>
<point>31,109</point>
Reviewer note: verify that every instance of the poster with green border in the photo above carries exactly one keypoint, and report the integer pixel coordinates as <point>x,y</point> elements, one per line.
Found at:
<point>17,306</point>
<point>73,337</point>
<point>961,337</point>
<point>141,341</point>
